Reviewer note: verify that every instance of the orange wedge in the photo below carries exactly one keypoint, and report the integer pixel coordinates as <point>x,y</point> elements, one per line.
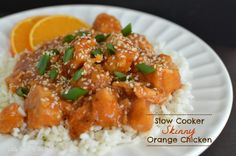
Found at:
<point>20,34</point>
<point>52,27</point>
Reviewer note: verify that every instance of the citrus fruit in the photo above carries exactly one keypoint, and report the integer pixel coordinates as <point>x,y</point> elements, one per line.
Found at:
<point>20,34</point>
<point>53,26</point>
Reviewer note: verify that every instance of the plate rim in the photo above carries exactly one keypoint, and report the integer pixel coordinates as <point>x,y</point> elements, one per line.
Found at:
<point>196,151</point>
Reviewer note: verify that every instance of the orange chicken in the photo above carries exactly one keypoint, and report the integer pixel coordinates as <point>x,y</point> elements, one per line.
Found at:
<point>10,118</point>
<point>166,76</point>
<point>106,108</point>
<point>80,121</point>
<point>138,117</point>
<point>42,108</point>
<point>106,23</point>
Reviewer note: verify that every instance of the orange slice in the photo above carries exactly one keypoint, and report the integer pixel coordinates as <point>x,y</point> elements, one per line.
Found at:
<point>52,27</point>
<point>20,34</point>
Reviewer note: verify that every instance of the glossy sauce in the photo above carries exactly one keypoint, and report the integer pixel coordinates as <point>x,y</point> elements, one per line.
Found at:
<point>109,102</point>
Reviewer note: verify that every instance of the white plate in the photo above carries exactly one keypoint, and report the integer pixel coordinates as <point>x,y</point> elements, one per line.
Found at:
<point>211,83</point>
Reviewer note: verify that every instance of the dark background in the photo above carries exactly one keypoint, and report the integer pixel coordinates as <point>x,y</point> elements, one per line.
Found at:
<point>212,20</point>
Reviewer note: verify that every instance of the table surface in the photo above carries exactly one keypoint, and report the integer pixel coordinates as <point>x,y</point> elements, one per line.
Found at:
<point>225,48</point>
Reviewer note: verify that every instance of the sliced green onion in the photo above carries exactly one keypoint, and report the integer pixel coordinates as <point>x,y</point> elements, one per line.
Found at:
<point>100,38</point>
<point>96,52</point>
<point>68,38</point>
<point>22,91</point>
<point>68,54</point>
<point>127,30</point>
<point>43,63</point>
<point>111,49</point>
<point>78,74</point>
<point>145,69</point>
<point>53,74</point>
<point>120,76</point>
<point>81,33</point>
<point>74,93</point>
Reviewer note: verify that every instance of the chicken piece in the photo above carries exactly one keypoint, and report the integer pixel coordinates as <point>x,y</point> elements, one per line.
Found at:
<point>106,23</point>
<point>167,80</point>
<point>14,80</point>
<point>122,88</point>
<point>120,62</point>
<point>150,95</point>
<point>66,108</point>
<point>166,77</point>
<point>95,77</point>
<point>83,47</point>
<point>125,54</point>
<point>42,108</point>
<point>125,105</point>
<point>20,72</point>
<point>142,42</point>
<point>10,118</point>
<point>80,121</point>
<point>105,108</point>
<point>139,117</point>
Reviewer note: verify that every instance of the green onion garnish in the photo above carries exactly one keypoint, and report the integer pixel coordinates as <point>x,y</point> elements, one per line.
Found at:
<point>120,76</point>
<point>53,74</point>
<point>78,74</point>
<point>74,93</point>
<point>111,49</point>
<point>81,33</point>
<point>96,52</point>
<point>127,30</point>
<point>68,38</point>
<point>22,91</point>
<point>68,54</point>
<point>43,63</point>
<point>100,38</point>
<point>145,69</point>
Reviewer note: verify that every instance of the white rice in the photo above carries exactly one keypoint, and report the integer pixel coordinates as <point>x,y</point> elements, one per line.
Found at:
<point>96,140</point>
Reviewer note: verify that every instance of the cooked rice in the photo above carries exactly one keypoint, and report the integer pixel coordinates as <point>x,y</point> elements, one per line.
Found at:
<point>96,140</point>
